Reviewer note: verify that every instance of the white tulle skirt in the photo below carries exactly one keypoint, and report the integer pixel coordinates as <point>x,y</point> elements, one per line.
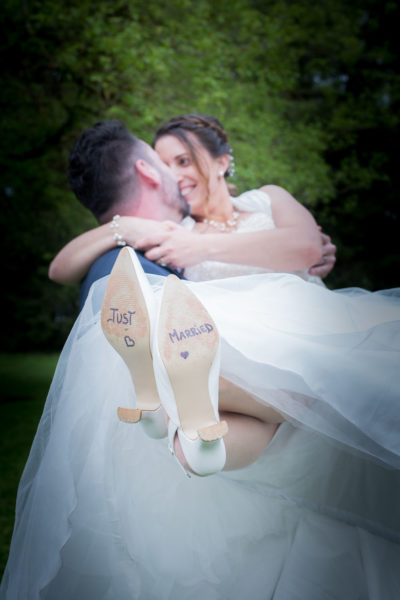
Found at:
<point>104,512</point>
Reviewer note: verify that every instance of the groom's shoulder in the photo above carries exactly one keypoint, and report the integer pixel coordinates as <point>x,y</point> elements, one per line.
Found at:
<point>104,264</point>
<point>101,267</point>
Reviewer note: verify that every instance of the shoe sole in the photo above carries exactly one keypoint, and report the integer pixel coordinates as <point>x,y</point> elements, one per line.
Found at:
<point>125,322</point>
<point>188,341</point>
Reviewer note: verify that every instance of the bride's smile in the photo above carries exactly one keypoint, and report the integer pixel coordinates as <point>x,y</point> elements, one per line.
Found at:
<point>200,177</point>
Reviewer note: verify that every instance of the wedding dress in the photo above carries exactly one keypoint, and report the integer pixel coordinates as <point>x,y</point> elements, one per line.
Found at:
<point>105,513</point>
<point>258,205</point>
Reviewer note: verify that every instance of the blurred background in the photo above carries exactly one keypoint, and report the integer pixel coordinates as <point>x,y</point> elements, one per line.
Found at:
<point>309,93</point>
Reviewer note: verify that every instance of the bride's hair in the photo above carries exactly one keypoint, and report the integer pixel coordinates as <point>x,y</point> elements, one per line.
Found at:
<point>208,130</point>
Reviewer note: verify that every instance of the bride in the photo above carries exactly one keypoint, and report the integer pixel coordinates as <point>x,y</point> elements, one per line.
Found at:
<point>103,512</point>
<point>196,149</point>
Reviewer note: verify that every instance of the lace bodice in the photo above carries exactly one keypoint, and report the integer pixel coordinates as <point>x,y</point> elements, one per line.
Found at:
<point>258,205</point>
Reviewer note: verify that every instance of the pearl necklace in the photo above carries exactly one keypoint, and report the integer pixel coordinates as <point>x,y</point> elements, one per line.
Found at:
<point>224,225</point>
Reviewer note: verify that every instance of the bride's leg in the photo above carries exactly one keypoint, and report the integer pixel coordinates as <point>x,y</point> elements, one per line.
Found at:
<point>235,400</point>
<point>245,441</point>
<point>192,394</point>
<point>251,425</point>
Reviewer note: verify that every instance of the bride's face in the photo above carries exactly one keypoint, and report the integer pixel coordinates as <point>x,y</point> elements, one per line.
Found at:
<point>196,185</point>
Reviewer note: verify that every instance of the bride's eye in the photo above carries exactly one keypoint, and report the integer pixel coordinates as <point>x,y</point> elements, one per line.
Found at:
<point>183,161</point>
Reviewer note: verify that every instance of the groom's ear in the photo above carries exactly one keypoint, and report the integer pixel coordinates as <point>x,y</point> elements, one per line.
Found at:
<point>147,173</point>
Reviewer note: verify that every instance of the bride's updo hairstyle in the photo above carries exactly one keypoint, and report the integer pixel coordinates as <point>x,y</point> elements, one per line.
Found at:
<point>207,130</point>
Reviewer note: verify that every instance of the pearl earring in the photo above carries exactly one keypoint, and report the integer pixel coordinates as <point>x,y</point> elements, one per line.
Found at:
<point>221,173</point>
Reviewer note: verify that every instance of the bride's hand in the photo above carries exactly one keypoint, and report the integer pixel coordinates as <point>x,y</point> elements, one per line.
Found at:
<point>135,228</point>
<point>178,248</point>
<point>328,256</point>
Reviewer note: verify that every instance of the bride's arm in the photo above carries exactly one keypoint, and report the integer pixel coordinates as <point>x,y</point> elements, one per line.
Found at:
<point>74,260</point>
<point>294,244</point>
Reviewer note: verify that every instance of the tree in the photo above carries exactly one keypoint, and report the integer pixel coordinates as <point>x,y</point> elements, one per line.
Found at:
<point>307,96</point>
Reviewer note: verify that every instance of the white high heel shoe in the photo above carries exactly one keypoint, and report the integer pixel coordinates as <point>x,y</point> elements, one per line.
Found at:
<point>126,318</point>
<point>186,356</point>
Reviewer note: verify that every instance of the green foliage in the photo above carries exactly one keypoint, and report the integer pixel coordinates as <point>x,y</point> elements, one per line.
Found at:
<point>25,382</point>
<point>308,92</point>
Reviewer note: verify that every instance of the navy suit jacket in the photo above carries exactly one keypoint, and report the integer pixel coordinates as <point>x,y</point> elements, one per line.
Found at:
<point>103,265</point>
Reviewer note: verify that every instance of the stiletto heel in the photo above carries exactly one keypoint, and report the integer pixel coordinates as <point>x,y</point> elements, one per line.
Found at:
<point>186,357</point>
<point>126,315</point>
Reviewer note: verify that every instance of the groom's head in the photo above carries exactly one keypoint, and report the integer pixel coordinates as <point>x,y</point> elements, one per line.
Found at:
<point>111,171</point>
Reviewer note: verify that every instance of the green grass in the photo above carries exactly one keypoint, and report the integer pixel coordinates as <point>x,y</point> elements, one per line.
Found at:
<point>25,380</point>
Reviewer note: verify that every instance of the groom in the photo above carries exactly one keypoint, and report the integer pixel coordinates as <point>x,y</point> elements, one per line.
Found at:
<point>112,172</point>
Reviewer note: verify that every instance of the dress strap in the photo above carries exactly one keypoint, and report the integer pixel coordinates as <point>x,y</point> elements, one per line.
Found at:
<point>253,201</point>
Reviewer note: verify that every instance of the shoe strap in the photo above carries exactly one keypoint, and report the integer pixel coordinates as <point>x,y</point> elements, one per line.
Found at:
<point>172,430</point>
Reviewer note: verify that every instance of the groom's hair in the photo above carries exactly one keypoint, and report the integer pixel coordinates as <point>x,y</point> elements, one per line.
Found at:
<point>101,169</point>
